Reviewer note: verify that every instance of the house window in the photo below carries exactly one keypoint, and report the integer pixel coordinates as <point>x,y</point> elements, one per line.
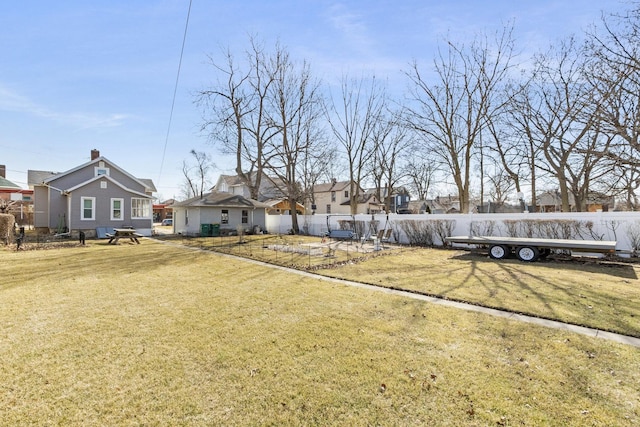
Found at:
<point>186,217</point>
<point>101,171</point>
<point>346,194</point>
<point>88,205</point>
<point>103,184</point>
<point>333,196</point>
<point>140,208</point>
<point>224,218</point>
<point>116,209</point>
<point>245,216</point>
<point>328,208</point>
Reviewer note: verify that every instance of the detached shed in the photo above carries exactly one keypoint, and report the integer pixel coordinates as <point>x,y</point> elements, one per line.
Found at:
<point>227,210</point>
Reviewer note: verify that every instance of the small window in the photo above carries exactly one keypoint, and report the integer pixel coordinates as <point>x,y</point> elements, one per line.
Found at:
<point>88,206</point>
<point>186,217</point>
<point>245,216</point>
<point>346,194</point>
<point>224,218</point>
<point>101,171</point>
<point>328,209</point>
<point>103,184</point>
<point>116,209</point>
<point>333,196</point>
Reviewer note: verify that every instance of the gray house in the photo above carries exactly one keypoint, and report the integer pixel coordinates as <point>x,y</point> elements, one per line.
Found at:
<point>228,211</point>
<point>97,194</point>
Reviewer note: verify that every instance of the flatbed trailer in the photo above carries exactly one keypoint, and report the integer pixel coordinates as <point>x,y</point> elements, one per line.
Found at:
<point>531,249</point>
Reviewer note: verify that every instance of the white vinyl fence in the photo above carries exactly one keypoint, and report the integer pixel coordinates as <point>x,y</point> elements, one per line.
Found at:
<point>622,227</point>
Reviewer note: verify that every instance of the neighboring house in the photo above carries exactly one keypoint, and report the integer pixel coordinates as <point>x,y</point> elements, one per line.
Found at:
<point>420,207</point>
<point>15,200</point>
<point>399,199</point>
<point>270,188</point>
<point>282,207</point>
<point>163,210</point>
<point>228,211</point>
<point>439,205</point>
<point>334,198</point>
<point>96,194</point>
<point>550,201</point>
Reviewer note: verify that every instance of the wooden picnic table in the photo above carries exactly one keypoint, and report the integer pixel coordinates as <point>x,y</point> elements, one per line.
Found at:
<point>119,233</point>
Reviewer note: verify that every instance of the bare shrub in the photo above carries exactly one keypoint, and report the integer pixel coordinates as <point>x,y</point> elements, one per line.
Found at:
<point>395,232</point>
<point>633,234</point>
<point>552,229</point>
<point>482,228</point>
<point>7,222</point>
<point>372,228</point>
<point>444,228</point>
<point>512,227</point>
<point>419,233</point>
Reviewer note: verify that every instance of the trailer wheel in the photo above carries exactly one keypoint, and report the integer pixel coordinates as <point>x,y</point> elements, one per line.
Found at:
<point>499,251</point>
<point>527,253</point>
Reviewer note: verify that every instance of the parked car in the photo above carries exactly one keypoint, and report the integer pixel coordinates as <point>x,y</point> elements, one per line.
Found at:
<point>167,221</point>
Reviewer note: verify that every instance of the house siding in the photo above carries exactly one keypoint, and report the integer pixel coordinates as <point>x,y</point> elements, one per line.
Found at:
<point>57,209</point>
<point>102,207</point>
<point>40,207</point>
<point>88,172</point>
<point>339,206</point>
<point>59,201</point>
<point>213,215</point>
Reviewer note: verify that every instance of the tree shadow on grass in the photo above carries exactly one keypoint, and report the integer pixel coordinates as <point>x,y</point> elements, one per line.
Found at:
<point>591,305</point>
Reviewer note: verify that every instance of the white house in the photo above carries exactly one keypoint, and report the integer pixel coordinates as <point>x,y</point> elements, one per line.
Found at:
<point>223,210</point>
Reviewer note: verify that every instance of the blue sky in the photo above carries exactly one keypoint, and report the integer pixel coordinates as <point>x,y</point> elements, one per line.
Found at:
<point>78,75</point>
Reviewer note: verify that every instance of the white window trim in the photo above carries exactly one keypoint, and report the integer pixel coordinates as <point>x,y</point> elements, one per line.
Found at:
<point>98,168</point>
<point>113,218</point>
<point>133,211</point>
<point>93,208</point>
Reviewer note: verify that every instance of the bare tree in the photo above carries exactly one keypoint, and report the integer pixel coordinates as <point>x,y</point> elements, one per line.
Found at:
<point>452,113</point>
<point>501,186</point>
<point>390,144</point>
<point>559,123</point>
<point>294,108</point>
<point>196,174</point>
<point>316,164</point>
<point>234,112</point>
<point>614,73</point>
<point>421,173</point>
<point>514,140</point>
<point>352,120</point>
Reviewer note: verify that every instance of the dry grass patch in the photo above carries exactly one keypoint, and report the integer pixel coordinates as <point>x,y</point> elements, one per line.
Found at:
<point>153,334</point>
<point>601,295</point>
<point>302,252</point>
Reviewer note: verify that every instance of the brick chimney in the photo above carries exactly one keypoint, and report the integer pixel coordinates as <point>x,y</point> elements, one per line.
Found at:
<point>95,154</point>
<point>3,171</point>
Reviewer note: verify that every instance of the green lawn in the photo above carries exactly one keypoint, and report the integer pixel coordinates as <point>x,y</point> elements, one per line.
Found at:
<point>154,334</point>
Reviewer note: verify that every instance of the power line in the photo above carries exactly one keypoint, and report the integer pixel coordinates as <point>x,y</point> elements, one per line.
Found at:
<point>175,90</point>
